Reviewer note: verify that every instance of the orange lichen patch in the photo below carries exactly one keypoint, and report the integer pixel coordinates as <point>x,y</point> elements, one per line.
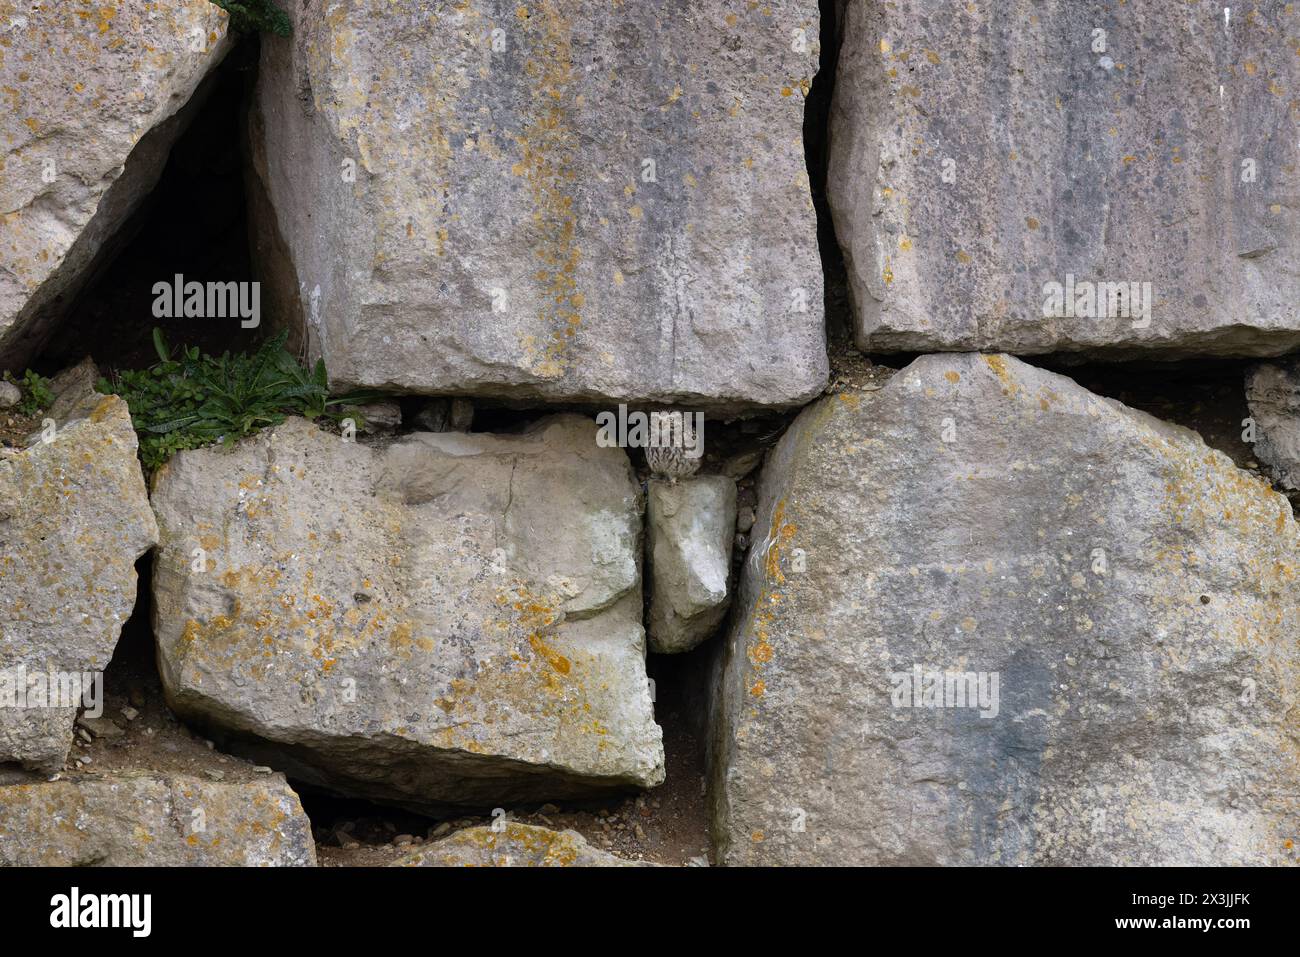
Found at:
<point>550,655</point>
<point>536,846</point>
<point>778,538</point>
<point>104,408</point>
<point>532,678</point>
<point>952,376</point>
<point>549,147</point>
<point>998,364</point>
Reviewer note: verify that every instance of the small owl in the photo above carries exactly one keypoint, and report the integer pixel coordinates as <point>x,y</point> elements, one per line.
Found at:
<point>667,456</point>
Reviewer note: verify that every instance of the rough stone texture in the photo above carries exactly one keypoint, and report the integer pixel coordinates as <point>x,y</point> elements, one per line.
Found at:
<point>376,416</point>
<point>519,845</point>
<point>690,529</point>
<point>10,395</point>
<point>445,619</point>
<point>499,238</point>
<point>1117,166</point>
<point>1147,690</point>
<point>1273,394</point>
<point>74,517</point>
<point>132,819</point>
<point>92,104</point>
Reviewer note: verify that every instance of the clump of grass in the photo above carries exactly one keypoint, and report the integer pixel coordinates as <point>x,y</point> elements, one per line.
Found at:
<point>37,395</point>
<point>256,16</point>
<point>193,399</point>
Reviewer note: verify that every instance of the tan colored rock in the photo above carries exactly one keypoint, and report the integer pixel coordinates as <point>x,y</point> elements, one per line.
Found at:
<point>440,619</point>
<point>142,818</point>
<point>74,517</point>
<point>517,845</point>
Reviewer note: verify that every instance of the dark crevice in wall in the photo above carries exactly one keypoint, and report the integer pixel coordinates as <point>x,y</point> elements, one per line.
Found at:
<point>816,140</point>
<point>193,223</point>
<point>1205,395</point>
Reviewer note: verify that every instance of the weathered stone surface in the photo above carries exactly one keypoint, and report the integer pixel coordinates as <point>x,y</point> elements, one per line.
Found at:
<point>74,517</point>
<point>93,98</point>
<point>131,819</point>
<point>690,529</point>
<point>1273,394</point>
<point>1134,592</point>
<point>377,416</point>
<point>1124,165</point>
<point>444,619</point>
<point>501,237</point>
<point>519,845</point>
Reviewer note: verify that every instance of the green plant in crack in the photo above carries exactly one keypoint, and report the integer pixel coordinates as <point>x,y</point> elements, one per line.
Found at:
<point>256,16</point>
<point>37,395</point>
<point>194,399</point>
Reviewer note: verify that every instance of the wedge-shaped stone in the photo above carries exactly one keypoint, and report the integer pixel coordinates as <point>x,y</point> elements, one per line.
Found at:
<point>444,619</point>
<point>74,517</point>
<point>566,199</point>
<point>94,97</point>
<point>690,526</point>
<point>1111,609</point>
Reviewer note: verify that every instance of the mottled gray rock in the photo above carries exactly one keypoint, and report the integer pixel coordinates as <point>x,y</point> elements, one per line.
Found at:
<point>559,200</point>
<point>1273,394</point>
<point>517,845</point>
<point>93,102</point>
<point>980,151</point>
<point>10,395</point>
<point>444,619</point>
<point>1134,594</point>
<point>690,529</point>
<point>377,417</point>
<point>461,415</point>
<point>143,818</point>
<point>74,517</point>
<point>433,416</point>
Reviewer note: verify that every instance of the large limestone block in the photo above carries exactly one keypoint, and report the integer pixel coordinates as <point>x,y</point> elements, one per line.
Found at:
<point>93,100</point>
<point>515,845</point>
<point>982,151</point>
<point>149,819</point>
<point>444,619</point>
<point>567,199</point>
<point>74,517</point>
<point>1134,595</point>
